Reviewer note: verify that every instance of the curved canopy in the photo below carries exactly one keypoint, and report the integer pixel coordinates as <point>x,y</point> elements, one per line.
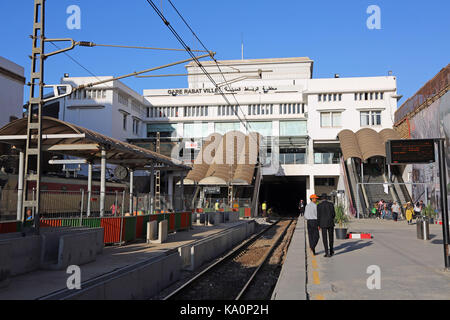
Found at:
<point>71,140</point>
<point>365,143</point>
<point>226,159</point>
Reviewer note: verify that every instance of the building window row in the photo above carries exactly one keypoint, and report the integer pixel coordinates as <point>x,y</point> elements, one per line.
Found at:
<point>227,110</point>
<point>260,109</point>
<point>137,107</point>
<point>197,111</point>
<point>123,99</point>
<point>370,118</point>
<point>331,119</point>
<point>330,97</point>
<point>292,108</point>
<point>366,96</point>
<point>162,112</point>
<point>136,126</point>
<point>87,94</point>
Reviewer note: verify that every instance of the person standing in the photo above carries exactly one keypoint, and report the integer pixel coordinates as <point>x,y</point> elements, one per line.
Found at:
<point>264,209</point>
<point>409,212</point>
<point>311,223</point>
<point>395,211</point>
<point>217,206</point>
<point>301,207</point>
<point>417,210</point>
<point>325,219</point>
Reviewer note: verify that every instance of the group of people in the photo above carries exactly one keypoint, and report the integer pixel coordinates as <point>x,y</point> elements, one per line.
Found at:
<point>383,210</point>
<point>319,217</point>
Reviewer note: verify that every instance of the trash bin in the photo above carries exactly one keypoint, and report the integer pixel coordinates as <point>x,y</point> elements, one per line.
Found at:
<point>423,228</point>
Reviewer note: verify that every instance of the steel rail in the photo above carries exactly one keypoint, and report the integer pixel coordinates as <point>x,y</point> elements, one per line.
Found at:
<point>267,255</point>
<point>234,252</point>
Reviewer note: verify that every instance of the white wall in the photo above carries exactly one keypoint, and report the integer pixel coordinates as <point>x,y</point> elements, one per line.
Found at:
<point>11,92</point>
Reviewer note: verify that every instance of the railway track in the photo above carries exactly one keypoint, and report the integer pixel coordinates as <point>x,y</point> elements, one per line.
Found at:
<point>231,277</point>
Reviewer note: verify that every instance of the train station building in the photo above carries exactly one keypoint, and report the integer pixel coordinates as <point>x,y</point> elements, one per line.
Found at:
<point>298,117</point>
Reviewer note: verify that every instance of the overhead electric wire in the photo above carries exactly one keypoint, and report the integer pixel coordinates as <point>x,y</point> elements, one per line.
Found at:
<point>167,23</point>
<point>178,37</point>
<point>146,48</point>
<point>246,123</point>
<point>215,60</point>
<point>79,64</point>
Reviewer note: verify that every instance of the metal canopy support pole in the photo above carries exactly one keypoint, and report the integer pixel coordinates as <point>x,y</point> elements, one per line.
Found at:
<point>88,210</point>
<point>362,171</point>
<point>183,206</point>
<point>158,175</point>
<point>152,189</point>
<point>20,187</point>
<point>131,190</point>
<point>34,128</point>
<point>170,190</point>
<point>103,183</point>
<point>444,201</point>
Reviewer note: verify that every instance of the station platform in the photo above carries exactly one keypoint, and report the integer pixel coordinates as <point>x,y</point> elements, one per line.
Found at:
<point>409,268</point>
<point>37,284</point>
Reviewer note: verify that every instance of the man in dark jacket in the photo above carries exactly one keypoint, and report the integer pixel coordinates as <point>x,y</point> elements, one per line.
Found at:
<point>325,219</point>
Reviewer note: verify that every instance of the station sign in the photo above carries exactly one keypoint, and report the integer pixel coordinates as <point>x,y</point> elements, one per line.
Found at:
<point>410,151</point>
<point>212,190</point>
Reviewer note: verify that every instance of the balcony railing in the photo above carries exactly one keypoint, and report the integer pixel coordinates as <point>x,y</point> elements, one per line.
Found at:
<point>326,158</point>
<point>293,158</point>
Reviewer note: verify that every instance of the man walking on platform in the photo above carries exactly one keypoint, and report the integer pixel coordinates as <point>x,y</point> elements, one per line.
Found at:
<point>325,219</point>
<point>301,208</point>
<point>311,223</point>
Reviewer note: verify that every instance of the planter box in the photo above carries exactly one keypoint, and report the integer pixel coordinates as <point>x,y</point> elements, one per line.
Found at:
<point>341,233</point>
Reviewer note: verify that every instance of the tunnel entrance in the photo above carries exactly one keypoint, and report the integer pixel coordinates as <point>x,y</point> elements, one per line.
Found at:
<point>283,194</point>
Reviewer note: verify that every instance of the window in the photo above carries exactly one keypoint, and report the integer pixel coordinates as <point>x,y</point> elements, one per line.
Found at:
<point>376,118</point>
<point>123,99</point>
<point>325,119</point>
<point>263,128</point>
<point>124,122</point>
<point>320,97</point>
<point>293,128</point>
<point>370,118</point>
<point>195,130</point>
<point>330,119</point>
<point>365,117</point>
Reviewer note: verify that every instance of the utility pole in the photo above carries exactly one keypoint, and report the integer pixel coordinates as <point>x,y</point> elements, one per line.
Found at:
<point>34,129</point>
<point>33,149</point>
<point>158,175</point>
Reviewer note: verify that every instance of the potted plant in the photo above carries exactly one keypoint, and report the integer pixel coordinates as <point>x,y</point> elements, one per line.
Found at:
<point>341,219</point>
<point>430,213</point>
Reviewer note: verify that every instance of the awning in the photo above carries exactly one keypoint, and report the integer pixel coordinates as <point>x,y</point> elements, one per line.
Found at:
<point>365,143</point>
<point>71,140</point>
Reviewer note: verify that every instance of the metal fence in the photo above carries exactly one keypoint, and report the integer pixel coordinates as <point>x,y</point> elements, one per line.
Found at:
<point>223,202</point>
<point>430,89</point>
<point>71,204</point>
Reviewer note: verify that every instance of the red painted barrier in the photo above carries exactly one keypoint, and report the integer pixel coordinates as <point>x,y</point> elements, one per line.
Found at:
<point>248,212</point>
<point>171,222</point>
<point>50,223</point>
<point>139,227</point>
<point>112,228</point>
<point>8,227</point>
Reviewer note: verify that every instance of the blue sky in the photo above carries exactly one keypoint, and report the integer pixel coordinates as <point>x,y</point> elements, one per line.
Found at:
<point>413,41</point>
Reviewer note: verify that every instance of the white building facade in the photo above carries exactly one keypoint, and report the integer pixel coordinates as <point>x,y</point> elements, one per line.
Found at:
<point>12,83</point>
<point>299,116</point>
<point>279,99</point>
